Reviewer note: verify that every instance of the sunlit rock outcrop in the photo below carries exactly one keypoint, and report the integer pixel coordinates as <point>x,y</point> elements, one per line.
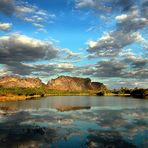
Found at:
<point>60,83</point>
<point>75,83</point>
<point>15,81</point>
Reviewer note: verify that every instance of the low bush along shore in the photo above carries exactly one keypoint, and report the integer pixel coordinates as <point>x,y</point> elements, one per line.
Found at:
<point>13,94</point>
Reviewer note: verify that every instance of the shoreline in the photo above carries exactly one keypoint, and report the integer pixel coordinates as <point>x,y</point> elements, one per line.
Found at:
<point>17,98</point>
<point>118,95</point>
<point>23,98</point>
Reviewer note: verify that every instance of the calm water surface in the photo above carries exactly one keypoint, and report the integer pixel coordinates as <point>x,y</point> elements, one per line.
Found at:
<point>74,122</point>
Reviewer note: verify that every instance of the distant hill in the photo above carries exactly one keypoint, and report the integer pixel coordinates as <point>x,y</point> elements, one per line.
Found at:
<point>15,81</point>
<point>60,83</point>
<point>75,83</point>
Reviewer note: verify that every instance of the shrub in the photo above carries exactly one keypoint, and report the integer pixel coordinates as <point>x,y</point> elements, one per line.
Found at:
<point>101,93</point>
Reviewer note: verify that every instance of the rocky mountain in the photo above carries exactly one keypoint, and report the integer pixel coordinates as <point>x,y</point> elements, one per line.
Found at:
<point>98,86</point>
<point>15,81</point>
<point>74,83</point>
<point>60,83</point>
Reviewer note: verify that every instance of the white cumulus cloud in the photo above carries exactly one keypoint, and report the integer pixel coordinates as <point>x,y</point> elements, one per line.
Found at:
<point>5,26</point>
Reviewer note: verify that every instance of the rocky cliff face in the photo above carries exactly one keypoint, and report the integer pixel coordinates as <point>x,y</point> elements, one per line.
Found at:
<point>60,83</point>
<point>98,86</point>
<point>74,83</point>
<point>15,81</point>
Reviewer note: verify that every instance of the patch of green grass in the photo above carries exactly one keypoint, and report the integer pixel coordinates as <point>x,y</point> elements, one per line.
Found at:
<point>40,91</point>
<point>22,91</point>
<point>65,92</point>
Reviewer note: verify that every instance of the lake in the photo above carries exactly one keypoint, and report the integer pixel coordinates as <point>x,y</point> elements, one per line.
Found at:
<point>74,122</point>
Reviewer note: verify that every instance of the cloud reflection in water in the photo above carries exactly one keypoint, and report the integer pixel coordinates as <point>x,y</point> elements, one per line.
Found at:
<point>82,128</point>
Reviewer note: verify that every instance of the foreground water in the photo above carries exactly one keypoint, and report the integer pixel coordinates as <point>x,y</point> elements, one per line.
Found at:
<point>74,122</point>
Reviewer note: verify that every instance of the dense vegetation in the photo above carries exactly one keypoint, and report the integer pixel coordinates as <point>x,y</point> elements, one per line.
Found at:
<point>22,91</point>
<point>121,91</point>
<point>142,93</point>
<point>39,91</point>
<point>136,92</point>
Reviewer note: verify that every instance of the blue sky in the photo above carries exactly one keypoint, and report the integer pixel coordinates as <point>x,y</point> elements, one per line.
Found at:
<point>105,40</point>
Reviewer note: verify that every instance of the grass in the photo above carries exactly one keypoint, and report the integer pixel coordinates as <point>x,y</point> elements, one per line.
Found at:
<point>71,93</point>
<point>21,91</point>
<point>15,94</point>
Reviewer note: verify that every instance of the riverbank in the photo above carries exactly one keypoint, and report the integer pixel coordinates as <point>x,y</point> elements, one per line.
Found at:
<point>23,97</point>
<point>17,98</point>
<point>120,95</point>
<point>11,97</point>
<point>18,94</point>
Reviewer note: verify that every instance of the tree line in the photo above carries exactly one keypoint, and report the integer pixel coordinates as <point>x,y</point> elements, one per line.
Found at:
<point>135,92</point>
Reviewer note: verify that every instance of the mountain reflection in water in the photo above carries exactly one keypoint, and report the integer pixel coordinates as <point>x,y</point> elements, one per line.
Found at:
<point>72,108</point>
<point>75,127</point>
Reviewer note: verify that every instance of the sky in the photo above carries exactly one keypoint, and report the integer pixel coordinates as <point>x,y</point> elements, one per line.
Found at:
<point>105,40</point>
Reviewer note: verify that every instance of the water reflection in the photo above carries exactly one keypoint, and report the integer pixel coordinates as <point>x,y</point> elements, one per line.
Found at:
<point>72,108</point>
<point>108,139</point>
<point>92,101</point>
<point>75,127</point>
<point>14,134</point>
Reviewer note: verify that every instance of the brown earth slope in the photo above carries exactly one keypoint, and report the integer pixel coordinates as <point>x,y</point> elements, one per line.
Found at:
<point>74,83</point>
<point>15,81</point>
<point>60,83</point>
